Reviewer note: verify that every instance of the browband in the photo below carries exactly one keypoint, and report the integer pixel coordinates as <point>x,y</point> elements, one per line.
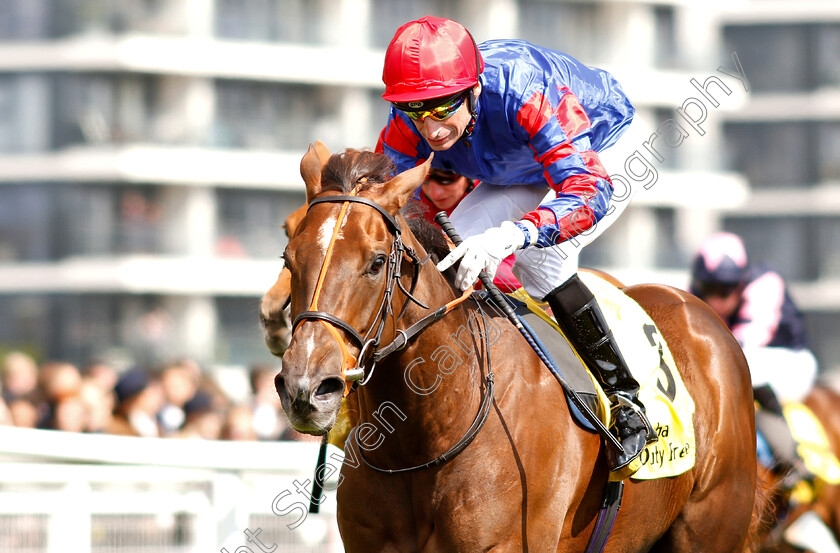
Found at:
<point>395,226</point>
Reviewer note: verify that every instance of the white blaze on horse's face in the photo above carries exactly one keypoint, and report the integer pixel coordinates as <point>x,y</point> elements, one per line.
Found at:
<point>309,346</point>
<point>326,231</point>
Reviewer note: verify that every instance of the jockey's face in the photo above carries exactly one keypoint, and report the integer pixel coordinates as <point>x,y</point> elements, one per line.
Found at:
<point>445,189</point>
<point>725,306</point>
<point>442,135</point>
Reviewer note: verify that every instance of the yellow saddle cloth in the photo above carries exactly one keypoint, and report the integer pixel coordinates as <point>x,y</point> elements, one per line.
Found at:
<point>668,405</point>
<point>813,445</point>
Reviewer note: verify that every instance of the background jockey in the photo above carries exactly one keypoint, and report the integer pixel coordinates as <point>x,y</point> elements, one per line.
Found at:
<point>443,191</point>
<point>529,123</point>
<point>754,302</point>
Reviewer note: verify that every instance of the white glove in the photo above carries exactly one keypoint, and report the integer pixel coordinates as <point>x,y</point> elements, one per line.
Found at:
<point>485,251</point>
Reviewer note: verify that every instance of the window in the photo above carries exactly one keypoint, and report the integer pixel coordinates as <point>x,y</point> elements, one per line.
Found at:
<point>70,17</point>
<point>787,58</point>
<point>570,28</point>
<point>49,222</point>
<point>8,113</point>
<point>251,222</point>
<point>775,58</point>
<point>130,216</point>
<point>295,21</point>
<point>827,69</point>
<point>772,155</point>
<point>26,324</point>
<point>75,328</point>
<point>828,151</point>
<point>273,116</point>
<point>24,112</point>
<point>827,236</point>
<point>666,39</point>
<point>823,329</point>
<point>788,244</point>
<point>387,16</point>
<point>27,227</point>
<point>24,19</point>
<point>104,109</point>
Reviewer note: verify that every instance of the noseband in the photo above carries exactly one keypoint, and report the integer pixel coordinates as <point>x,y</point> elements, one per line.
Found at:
<point>354,369</point>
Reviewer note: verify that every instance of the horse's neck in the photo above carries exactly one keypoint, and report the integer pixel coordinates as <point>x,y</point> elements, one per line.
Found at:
<point>427,395</point>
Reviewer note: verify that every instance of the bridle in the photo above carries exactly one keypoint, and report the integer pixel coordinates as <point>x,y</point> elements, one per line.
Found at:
<point>358,370</point>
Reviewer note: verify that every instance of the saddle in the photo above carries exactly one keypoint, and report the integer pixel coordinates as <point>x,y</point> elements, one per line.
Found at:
<point>812,443</point>
<point>668,405</point>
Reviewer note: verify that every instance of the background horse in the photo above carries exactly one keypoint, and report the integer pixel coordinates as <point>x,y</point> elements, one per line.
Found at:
<point>825,404</point>
<point>530,478</point>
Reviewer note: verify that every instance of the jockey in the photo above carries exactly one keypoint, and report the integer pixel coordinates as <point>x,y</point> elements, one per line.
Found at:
<point>443,191</point>
<point>754,302</point>
<point>529,123</point>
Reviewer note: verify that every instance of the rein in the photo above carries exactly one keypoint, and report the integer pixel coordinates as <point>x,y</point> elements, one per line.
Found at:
<point>469,435</point>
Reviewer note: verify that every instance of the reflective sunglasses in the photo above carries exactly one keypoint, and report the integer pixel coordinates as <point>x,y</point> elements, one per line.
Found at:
<point>444,178</point>
<point>439,113</point>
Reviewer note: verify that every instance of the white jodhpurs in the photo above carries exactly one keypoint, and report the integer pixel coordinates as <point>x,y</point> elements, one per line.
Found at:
<point>790,373</point>
<point>541,270</point>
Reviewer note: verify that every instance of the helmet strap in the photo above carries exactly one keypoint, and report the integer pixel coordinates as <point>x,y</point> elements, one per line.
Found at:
<point>472,104</point>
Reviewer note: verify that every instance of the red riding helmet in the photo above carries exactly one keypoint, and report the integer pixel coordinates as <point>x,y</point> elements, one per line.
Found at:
<point>721,260</point>
<point>430,58</point>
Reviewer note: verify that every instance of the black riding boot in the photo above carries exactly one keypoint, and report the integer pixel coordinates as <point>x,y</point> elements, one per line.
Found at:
<point>578,314</point>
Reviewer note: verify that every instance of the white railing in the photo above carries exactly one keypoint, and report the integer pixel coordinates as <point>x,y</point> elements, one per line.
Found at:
<point>87,493</point>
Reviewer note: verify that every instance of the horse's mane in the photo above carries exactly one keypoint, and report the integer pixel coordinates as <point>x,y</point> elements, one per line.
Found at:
<point>428,234</point>
<point>344,171</point>
<point>352,167</point>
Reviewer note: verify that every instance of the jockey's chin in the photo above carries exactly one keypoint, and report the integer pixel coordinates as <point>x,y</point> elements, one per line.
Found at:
<point>445,143</point>
<point>442,135</point>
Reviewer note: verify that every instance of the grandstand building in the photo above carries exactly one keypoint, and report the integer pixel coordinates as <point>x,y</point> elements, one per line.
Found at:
<point>149,150</point>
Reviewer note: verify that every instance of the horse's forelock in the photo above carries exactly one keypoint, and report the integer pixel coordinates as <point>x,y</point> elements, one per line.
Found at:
<point>345,170</point>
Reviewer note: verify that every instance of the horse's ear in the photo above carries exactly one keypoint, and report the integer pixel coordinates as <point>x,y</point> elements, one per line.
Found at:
<point>310,170</point>
<point>323,152</point>
<point>397,191</point>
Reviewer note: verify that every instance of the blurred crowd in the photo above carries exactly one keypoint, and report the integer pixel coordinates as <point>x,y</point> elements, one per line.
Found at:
<point>176,400</point>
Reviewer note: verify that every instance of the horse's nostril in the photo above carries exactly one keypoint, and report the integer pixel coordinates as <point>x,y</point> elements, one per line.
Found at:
<point>279,385</point>
<point>329,386</point>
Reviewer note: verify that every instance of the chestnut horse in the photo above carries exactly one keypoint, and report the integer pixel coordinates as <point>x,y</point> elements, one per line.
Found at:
<point>438,462</point>
<point>825,403</point>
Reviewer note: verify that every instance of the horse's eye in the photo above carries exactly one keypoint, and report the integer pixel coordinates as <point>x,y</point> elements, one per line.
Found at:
<point>377,264</point>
